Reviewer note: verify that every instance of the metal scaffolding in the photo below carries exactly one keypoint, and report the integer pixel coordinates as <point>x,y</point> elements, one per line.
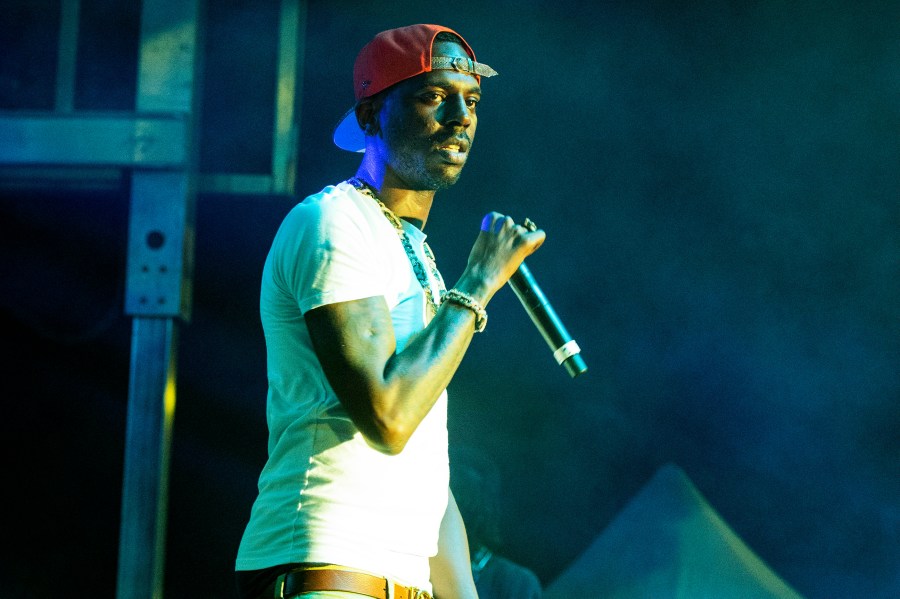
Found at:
<point>156,146</point>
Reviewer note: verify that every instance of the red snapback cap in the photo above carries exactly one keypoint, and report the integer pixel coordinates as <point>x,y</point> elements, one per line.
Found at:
<point>391,57</point>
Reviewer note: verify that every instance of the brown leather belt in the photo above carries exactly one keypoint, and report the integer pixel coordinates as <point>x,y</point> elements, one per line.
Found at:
<point>305,580</point>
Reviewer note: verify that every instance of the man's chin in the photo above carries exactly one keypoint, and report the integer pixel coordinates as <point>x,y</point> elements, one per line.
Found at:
<point>436,182</point>
<point>446,182</point>
<point>433,177</point>
<point>446,177</point>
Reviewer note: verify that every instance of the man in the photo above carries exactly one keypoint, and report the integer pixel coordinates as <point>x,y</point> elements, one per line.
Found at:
<point>362,339</point>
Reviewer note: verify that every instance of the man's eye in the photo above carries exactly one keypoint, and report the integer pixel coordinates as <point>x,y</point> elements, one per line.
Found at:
<point>472,102</point>
<point>433,97</point>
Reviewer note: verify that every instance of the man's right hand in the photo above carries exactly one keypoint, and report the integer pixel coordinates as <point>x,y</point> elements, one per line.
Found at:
<point>500,248</point>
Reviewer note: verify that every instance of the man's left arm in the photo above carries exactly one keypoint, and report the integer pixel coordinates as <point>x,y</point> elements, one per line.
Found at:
<point>451,568</point>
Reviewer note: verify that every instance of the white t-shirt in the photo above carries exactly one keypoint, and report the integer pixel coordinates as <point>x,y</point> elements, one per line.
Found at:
<point>325,496</point>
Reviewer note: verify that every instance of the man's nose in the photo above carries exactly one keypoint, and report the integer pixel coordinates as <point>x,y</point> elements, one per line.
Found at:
<point>456,112</point>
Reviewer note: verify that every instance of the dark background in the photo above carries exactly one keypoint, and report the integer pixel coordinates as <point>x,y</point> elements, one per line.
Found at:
<point>720,186</point>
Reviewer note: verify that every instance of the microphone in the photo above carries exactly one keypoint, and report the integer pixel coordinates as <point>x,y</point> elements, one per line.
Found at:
<point>565,350</point>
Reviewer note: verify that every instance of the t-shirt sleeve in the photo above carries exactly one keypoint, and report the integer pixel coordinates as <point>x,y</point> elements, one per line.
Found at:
<point>324,253</point>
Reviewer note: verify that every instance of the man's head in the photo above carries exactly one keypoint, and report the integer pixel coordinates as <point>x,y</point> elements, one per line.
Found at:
<point>416,89</point>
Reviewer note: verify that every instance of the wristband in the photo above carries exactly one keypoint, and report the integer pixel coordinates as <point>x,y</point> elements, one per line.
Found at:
<point>467,301</point>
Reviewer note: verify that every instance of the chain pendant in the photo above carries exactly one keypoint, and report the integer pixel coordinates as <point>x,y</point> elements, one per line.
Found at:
<point>418,268</point>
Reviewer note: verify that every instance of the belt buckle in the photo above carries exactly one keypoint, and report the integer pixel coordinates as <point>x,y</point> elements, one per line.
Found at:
<point>279,587</point>
<point>411,592</point>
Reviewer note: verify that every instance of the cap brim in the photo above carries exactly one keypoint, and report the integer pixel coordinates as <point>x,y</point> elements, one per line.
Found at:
<point>348,135</point>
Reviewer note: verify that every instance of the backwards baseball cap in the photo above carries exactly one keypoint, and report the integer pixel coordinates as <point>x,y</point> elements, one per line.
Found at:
<point>394,56</point>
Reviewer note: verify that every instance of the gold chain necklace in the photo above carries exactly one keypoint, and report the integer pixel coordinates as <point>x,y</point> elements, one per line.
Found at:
<point>421,274</point>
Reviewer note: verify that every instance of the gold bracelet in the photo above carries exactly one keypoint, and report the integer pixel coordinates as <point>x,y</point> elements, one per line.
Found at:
<point>467,301</point>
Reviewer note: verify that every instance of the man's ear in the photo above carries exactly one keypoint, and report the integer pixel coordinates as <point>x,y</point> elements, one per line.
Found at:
<point>367,117</point>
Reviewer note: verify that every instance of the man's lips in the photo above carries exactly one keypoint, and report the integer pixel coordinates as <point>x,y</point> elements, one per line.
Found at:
<point>452,156</point>
<point>454,150</point>
<point>454,144</point>
<point>455,147</point>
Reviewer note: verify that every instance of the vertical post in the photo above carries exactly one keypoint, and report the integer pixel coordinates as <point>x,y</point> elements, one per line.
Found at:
<point>290,65</point>
<point>151,411</point>
<point>158,291</point>
<point>67,56</point>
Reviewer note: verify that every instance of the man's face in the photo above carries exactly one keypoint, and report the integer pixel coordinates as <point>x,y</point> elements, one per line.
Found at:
<point>428,125</point>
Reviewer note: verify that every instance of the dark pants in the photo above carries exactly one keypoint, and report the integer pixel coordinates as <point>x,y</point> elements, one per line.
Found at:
<point>251,583</point>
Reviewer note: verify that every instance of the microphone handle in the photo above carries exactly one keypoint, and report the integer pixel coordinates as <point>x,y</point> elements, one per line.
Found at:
<point>564,348</point>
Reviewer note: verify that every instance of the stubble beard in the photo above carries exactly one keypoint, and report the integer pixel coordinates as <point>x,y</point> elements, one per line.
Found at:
<point>413,163</point>
<point>414,168</point>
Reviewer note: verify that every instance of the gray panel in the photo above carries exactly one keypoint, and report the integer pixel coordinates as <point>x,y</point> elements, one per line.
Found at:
<point>160,246</point>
